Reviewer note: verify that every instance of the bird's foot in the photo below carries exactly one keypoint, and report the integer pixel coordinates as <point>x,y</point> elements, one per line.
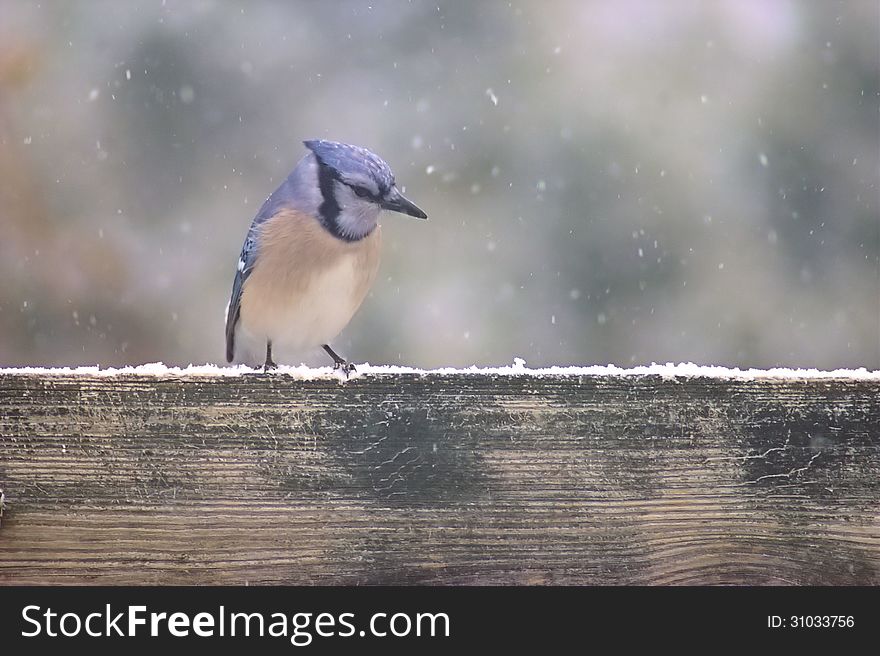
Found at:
<point>269,363</point>
<point>338,361</point>
<point>346,366</point>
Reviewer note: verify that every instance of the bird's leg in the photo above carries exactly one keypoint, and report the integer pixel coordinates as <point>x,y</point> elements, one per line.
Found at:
<point>339,362</point>
<point>269,364</point>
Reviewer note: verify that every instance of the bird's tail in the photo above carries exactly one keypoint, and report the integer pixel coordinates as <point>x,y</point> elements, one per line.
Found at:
<point>230,334</point>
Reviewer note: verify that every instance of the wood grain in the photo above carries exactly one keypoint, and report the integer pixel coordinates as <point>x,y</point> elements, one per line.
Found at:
<point>439,479</point>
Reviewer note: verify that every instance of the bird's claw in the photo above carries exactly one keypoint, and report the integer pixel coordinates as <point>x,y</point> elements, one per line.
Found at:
<point>346,366</point>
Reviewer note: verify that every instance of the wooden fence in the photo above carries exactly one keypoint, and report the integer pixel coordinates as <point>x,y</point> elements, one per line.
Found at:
<point>439,479</point>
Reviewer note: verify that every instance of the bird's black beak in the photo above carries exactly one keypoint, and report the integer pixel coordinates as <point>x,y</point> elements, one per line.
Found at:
<point>397,202</point>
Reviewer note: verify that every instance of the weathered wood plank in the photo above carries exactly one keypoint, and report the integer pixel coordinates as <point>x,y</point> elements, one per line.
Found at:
<point>439,479</point>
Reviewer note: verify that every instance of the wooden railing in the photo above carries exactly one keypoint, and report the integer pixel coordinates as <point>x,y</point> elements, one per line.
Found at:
<point>439,478</point>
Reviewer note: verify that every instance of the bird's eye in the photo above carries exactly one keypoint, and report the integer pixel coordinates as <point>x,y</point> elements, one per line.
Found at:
<point>362,192</point>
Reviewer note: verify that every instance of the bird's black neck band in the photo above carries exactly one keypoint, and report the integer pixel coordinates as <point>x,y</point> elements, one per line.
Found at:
<point>330,210</point>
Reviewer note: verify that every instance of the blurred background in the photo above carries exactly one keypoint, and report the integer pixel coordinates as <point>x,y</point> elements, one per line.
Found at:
<point>607,182</point>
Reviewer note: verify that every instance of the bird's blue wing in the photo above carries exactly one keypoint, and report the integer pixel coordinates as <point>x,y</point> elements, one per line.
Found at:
<point>277,200</point>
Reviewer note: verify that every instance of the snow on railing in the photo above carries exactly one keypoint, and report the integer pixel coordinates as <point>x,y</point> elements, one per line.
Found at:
<point>518,368</point>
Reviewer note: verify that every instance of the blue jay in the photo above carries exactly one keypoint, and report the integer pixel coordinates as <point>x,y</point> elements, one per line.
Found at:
<point>312,253</point>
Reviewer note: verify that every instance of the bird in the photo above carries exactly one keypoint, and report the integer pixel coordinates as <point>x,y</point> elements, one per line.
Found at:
<point>312,253</point>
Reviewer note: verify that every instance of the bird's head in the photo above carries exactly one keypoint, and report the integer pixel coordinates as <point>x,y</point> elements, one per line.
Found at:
<point>356,184</point>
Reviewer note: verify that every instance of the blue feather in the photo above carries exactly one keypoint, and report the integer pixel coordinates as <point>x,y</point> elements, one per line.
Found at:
<point>345,159</point>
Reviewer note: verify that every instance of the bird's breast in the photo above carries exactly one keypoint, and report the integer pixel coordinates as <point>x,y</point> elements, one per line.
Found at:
<point>306,284</point>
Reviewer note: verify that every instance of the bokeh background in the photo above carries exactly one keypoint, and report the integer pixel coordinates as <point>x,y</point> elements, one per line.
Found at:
<point>607,182</point>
